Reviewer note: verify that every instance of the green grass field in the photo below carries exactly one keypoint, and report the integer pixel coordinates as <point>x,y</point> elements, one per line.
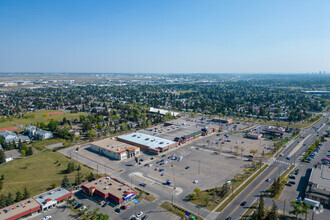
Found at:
<point>39,117</point>
<point>37,172</point>
<point>40,145</point>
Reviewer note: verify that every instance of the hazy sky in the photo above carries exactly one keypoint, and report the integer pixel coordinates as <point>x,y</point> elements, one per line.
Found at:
<point>217,36</point>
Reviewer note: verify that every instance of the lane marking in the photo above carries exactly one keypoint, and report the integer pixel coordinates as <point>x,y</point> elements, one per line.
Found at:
<point>261,182</point>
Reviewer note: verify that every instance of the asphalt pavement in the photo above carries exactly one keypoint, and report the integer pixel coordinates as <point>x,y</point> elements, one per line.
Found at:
<point>251,193</point>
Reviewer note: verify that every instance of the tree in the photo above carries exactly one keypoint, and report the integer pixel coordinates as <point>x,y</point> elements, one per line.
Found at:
<point>276,187</point>
<point>236,148</point>
<point>3,200</point>
<point>253,151</point>
<point>9,200</point>
<point>66,182</point>
<point>102,217</point>
<point>299,208</point>
<point>52,125</point>
<point>30,151</point>
<point>192,196</point>
<point>272,215</point>
<point>2,157</point>
<point>23,152</point>
<point>77,180</point>
<point>19,196</point>
<point>90,177</point>
<point>207,200</point>
<point>70,167</point>
<point>197,192</point>
<point>261,207</point>
<point>26,193</point>
<point>91,134</point>
<point>79,167</point>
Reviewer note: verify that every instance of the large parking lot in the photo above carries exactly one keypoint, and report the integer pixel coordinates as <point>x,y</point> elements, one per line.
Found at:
<point>227,144</point>
<point>208,169</point>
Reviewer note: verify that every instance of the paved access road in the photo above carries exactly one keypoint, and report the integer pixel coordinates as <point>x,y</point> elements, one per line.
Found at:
<point>277,166</point>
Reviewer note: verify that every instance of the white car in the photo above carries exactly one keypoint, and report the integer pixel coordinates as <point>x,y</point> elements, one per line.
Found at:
<point>47,217</point>
<point>195,181</point>
<point>139,214</point>
<point>83,208</point>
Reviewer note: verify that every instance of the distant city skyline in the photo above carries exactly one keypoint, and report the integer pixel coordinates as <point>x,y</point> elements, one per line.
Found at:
<point>165,36</point>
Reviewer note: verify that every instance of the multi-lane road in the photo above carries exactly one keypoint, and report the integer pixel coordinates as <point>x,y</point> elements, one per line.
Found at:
<point>276,166</point>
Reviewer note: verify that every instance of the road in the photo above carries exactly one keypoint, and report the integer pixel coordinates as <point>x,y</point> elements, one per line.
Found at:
<point>276,166</point>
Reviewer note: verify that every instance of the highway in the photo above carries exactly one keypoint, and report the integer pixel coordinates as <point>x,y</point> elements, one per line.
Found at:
<point>276,167</point>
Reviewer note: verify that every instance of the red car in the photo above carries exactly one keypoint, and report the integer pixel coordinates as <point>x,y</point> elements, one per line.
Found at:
<point>123,207</point>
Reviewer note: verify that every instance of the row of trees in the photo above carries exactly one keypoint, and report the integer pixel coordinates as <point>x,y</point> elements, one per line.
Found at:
<point>9,199</point>
<point>260,213</point>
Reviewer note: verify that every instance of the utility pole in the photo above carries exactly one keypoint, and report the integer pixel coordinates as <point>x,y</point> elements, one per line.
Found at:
<point>97,168</point>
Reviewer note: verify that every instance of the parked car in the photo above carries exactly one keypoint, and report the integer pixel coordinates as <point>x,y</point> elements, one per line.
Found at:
<point>243,203</point>
<point>291,176</point>
<point>187,167</point>
<point>288,184</point>
<point>144,217</point>
<point>83,208</point>
<point>143,184</point>
<point>296,172</point>
<point>292,182</point>
<point>139,214</point>
<point>123,207</point>
<point>195,181</point>
<point>268,180</point>
<point>160,170</point>
<point>288,158</point>
<point>117,210</point>
<point>162,174</point>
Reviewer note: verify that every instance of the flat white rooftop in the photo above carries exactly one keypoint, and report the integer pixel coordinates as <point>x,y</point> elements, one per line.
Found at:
<point>147,140</point>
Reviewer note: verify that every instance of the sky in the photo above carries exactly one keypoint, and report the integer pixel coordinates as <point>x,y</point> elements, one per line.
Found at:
<point>165,36</point>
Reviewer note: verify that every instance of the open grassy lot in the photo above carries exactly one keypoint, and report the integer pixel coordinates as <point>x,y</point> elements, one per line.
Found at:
<point>37,172</point>
<point>40,145</point>
<point>39,116</point>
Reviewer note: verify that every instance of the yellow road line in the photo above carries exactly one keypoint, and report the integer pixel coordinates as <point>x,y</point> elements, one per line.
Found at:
<point>261,182</point>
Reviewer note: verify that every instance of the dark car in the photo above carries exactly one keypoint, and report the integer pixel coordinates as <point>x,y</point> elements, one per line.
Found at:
<point>163,155</point>
<point>187,167</point>
<point>123,207</point>
<point>160,170</point>
<point>143,184</point>
<point>229,218</point>
<point>296,172</point>
<point>288,184</point>
<point>144,217</point>
<point>292,176</point>
<point>292,182</point>
<point>117,210</point>
<point>243,203</point>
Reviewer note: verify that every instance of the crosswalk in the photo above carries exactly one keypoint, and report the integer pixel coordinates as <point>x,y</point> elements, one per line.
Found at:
<point>279,161</point>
